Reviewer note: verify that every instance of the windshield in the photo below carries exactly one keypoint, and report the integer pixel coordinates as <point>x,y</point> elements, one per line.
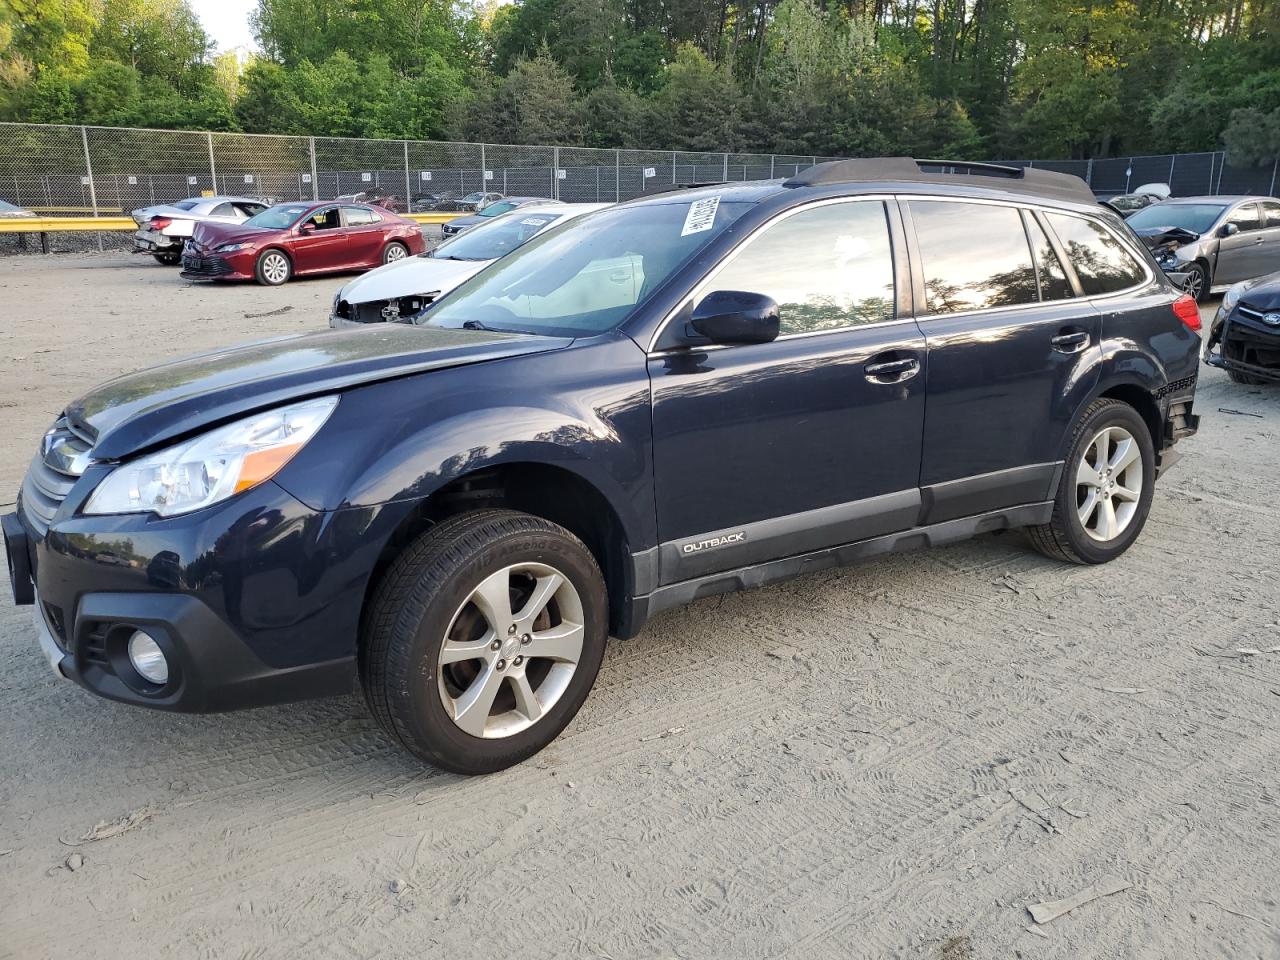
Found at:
<point>277,218</point>
<point>1196,217</point>
<point>587,276</point>
<point>489,241</point>
<point>498,208</point>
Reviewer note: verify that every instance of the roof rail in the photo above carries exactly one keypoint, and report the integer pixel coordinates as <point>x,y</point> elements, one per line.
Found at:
<point>996,176</point>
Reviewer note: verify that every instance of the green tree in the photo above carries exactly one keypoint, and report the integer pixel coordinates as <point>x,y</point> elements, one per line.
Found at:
<point>700,105</point>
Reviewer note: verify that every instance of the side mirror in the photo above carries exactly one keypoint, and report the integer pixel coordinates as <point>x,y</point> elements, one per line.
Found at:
<point>734,316</point>
<point>1228,230</point>
<point>307,228</point>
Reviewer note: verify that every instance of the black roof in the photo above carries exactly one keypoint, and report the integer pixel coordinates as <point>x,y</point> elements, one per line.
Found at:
<point>994,176</point>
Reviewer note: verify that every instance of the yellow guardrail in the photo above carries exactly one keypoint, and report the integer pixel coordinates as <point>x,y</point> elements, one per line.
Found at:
<point>60,224</point>
<point>80,224</point>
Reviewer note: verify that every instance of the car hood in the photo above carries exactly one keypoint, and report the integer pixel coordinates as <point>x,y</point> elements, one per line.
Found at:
<point>148,408</point>
<point>409,276</point>
<point>1156,236</point>
<point>1262,294</point>
<point>215,234</point>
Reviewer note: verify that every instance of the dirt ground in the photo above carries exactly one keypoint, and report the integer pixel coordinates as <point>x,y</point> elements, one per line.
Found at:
<point>891,760</point>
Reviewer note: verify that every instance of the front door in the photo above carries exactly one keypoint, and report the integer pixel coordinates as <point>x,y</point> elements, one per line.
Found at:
<point>1012,345</point>
<point>319,242</point>
<point>1242,255</point>
<point>771,450</point>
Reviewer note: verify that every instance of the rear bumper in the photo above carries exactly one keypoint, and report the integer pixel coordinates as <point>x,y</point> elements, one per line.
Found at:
<point>149,241</point>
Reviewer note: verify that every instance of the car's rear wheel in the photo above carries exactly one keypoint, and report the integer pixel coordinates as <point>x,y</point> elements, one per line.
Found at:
<point>168,259</point>
<point>393,251</point>
<point>1197,282</point>
<point>273,268</point>
<point>483,640</point>
<point>1104,496</point>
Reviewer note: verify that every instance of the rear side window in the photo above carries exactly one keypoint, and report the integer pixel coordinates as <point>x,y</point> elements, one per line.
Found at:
<point>973,256</point>
<point>359,216</point>
<point>222,210</point>
<point>1053,279</point>
<point>1103,264</point>
<point>828,267</point>
<point>1271,214</point>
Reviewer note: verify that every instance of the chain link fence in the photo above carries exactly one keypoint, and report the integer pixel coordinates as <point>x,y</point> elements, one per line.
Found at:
<point>109,171</point>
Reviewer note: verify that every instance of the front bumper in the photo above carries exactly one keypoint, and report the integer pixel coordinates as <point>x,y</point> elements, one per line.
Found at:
<point>255,601</point>
<point>1242,341</point>
<point>198,265</point>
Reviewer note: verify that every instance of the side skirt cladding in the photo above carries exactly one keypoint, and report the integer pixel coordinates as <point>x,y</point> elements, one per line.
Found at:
<point>757,575</point>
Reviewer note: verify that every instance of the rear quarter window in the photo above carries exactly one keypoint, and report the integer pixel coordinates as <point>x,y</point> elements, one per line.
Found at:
<point>1102,263</point>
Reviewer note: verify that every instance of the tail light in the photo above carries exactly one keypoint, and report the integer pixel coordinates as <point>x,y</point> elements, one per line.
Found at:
<point>159,223</point>
<point>1186,310</point>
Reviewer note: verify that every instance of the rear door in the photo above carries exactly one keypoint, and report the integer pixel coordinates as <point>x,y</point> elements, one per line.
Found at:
<point>1270,247</point>
<point>1011,348</point>
<point>770,450</point>
<point>364,230</point>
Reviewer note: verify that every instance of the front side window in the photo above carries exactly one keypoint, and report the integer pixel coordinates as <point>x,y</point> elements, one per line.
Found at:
<point>973,256</point>
<point>326,219</point>
<point>827,268</point>
<point>1245,217</point>
<point>1102,263</point>
<point>587,276</point>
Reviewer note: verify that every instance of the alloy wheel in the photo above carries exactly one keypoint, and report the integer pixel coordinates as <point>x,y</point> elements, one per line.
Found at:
<point>511,650</point>
<point>1194,284</point>
<point>394,252</point>
<point>1109,484</point>
<point>275,268</point>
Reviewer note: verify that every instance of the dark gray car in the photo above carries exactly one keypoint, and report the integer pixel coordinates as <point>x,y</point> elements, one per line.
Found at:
<point>1213,241</point>
<point>495,209</point>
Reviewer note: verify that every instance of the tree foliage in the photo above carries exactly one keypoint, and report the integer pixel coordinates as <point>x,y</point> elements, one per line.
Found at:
<point>953,78</point>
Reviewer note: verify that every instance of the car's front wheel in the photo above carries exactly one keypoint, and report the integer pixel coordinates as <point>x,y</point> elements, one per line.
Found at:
<point>393,251</point>
<point>1105,492</point>
<point>1197,282</point>
<point>483,640</point>
<point>273,268</point>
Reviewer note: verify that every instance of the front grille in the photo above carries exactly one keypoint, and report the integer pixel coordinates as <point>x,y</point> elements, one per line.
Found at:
<point>197,266</point>
<point>1259,316</point>
<point>64,454</point>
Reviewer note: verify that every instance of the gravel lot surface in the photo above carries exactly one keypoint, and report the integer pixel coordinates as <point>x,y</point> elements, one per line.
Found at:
<point>896,759</point>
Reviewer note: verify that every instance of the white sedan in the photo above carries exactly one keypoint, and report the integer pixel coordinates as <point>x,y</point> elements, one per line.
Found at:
<point>402,290</point>
<point>164,229</point>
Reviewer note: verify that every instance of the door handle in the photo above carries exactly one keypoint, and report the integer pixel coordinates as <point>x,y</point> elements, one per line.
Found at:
<point>892,371</point>
<point>1072,342</point>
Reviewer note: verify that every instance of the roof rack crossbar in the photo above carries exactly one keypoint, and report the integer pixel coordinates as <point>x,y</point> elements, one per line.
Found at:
<point>1000,168</point>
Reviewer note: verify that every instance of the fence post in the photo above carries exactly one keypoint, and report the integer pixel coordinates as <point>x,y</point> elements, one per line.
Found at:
<point>1088,173</point>
<point>407,189</point>
<point>555,173</point>
<point>315,178</point>
<point>772,158</point>
<point>617,176</point>
<point>484,168</point>
<point>673,168</point>
<point>1172,159</point>
<point>1274,164</point>
<point>88,169</point>
<point>726,168</point>
<point>213,170</point>
<point>1221,163</point>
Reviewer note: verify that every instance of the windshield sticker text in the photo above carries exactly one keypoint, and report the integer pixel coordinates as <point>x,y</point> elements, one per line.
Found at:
<point>702,214</point>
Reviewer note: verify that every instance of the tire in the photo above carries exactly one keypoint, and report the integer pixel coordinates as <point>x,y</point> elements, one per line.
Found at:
<point>393,251</point>
<point>273,268</point>
<point>1197,282</point>
<point>168,259</point>
<point>1248,379</point>
<point>424,620</point>
<point>1078,534</point>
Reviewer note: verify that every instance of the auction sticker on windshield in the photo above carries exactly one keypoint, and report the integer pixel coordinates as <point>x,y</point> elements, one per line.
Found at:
<point>702,214</point>
<point>534,221</point>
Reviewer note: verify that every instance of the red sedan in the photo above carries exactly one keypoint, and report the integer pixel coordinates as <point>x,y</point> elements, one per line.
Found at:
<point>294,239</point>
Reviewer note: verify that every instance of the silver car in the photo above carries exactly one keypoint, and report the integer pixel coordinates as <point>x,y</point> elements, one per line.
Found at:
<point>1212,242</point>
<point>164,229</point>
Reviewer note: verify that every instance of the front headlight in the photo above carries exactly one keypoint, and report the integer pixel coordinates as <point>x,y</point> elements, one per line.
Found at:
<point>1233,294</point>
<point>233,247</point>
<point>213,466</point>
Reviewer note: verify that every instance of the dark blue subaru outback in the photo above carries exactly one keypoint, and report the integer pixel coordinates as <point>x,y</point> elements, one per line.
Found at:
<point>692,393</point>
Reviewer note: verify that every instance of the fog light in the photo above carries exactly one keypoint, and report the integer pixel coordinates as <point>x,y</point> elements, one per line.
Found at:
<point>147,658</point>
